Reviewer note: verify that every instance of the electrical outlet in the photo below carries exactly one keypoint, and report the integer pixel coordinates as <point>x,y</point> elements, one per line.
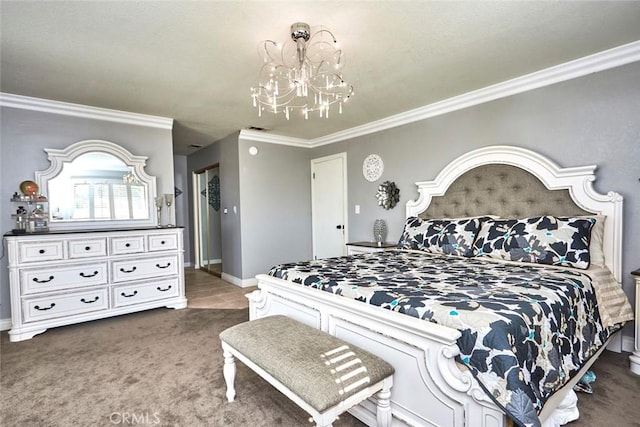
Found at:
<point>357,209</point>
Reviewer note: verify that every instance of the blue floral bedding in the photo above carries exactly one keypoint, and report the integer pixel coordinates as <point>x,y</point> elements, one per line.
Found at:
<point>526,329</point>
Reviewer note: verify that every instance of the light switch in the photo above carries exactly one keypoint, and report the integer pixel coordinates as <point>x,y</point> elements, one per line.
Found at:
<point>357,209</point>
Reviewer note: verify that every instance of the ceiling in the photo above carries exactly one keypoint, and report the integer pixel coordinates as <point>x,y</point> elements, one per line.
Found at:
<point>195,61</point>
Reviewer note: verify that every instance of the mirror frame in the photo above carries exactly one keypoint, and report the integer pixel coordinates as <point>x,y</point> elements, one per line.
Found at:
<point>59,157</point>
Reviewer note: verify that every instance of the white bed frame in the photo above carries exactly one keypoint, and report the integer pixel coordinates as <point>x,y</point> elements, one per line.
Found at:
<point>430,388</point>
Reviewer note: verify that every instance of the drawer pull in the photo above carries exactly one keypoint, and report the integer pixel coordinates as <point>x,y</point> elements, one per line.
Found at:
<point>90,302</point>
<point>130,295</point>
<point>162,242</point>
<point>35,279</point>
<point>128,271</point>
<point>163,266</point>
<point>41,251</point>
<point>127,245</point>
<point>37,307</point>
<point>163,290</point>
<point>87,248</point>
<point>95,273</point>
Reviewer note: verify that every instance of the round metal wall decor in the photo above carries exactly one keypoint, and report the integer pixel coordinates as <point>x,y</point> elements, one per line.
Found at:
<point>388,194</point>
<point>372,167</point>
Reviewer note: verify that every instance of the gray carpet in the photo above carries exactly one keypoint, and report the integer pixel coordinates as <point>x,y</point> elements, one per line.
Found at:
<point>163,367</point>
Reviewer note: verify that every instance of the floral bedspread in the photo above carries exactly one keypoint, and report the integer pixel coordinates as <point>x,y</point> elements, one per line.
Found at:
<point>526,330</point>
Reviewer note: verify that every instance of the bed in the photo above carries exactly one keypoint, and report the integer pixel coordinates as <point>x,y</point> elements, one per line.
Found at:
<point>430,310</point>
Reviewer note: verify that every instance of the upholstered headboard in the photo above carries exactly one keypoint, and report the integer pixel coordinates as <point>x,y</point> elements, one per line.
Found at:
<point>503,190</point>
<point>514,182</point>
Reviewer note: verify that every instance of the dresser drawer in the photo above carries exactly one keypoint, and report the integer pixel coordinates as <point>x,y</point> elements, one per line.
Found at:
<point>143,292</point>
<point>49,307</point>
<point>163,242</point>
<point>126,270</point>
<point>127,245</point>
<point>87,248</point>
<point>41,251</point>
<point>34,280</point>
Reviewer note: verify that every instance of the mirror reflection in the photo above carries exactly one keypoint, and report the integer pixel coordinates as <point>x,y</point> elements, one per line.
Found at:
<point>97,186</point>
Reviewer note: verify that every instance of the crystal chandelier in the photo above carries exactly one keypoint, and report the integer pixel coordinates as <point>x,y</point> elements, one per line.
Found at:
<point>303,74</point>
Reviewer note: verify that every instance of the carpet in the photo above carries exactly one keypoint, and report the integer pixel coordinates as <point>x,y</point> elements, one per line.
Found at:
<point>164,368</point>
<point>160,367</point>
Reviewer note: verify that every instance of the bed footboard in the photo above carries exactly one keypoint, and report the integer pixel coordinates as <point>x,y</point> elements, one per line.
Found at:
<point>430,389</point>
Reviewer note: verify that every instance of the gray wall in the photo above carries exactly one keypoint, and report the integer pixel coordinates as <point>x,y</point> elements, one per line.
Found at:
<point>590,120</point>
<point>182,179</point>
<point>272,196</point>
<point>275,193</point>
<point>25,134</point>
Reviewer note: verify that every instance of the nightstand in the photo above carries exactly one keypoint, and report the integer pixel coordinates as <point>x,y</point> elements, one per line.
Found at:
<point>635,356</point>
<point>368,247</point>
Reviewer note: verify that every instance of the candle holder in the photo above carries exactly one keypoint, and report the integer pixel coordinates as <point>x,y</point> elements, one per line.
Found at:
<point>168,200</point>
<point>159,202</point>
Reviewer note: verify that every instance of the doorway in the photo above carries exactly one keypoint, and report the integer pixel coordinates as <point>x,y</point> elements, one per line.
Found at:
<point>329,205</point>
<point>207,220</point>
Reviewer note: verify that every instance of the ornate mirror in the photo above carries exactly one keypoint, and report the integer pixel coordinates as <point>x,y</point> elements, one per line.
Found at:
<point>97,185</point>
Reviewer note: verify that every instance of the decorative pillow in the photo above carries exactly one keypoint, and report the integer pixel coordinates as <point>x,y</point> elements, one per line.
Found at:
<point>444,236</point>
<point>596,250</point>
<point>544,240</point>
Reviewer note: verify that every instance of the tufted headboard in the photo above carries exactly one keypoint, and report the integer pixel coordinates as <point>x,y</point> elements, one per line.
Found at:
<point>503,190</point>
<point>514,182</point>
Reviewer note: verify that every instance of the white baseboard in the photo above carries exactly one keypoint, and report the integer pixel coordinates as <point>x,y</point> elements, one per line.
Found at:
<point>246,283</point>
<point>5,324</point>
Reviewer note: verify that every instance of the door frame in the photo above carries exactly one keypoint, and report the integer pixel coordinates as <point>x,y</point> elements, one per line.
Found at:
<point>345,204</point>
<point>197,209</point>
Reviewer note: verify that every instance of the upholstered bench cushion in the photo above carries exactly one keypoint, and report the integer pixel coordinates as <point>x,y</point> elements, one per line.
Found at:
<point>320,368</point>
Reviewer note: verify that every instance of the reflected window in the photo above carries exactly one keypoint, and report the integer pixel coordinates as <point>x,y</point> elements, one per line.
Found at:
<point>102,188</point>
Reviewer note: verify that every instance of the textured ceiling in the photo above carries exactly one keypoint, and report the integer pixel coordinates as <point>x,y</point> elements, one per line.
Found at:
<point>195,61</point>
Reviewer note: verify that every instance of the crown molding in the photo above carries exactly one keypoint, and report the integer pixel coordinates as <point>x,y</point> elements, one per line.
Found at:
<point>252,135</point>
<point>84,111</point>
<point>600,61</point>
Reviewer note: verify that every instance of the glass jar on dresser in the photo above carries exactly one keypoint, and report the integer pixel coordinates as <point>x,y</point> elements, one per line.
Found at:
<point>65,277</point>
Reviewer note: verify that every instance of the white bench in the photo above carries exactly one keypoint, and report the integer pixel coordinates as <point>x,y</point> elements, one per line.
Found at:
<point>322,374</point>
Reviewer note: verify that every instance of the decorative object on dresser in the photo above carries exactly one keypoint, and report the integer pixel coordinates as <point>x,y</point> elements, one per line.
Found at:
<point>60,278</point>
<point>30,213</point>
<point>168,200</point>
<point>368,247</point>
<point>159,203</point>
<point>635,356</point>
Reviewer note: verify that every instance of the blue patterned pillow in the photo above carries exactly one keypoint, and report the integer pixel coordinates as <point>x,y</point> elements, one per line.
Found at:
<point>443,236</point>
<point>544,240</point>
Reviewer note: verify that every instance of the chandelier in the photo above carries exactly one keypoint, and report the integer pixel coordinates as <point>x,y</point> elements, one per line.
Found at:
<point>303,74</point>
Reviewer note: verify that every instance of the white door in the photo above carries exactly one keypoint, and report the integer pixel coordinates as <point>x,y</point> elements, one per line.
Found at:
<point>329,205</point>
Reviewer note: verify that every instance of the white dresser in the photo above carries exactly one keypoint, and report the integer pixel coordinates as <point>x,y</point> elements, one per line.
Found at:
<point>60,278</point>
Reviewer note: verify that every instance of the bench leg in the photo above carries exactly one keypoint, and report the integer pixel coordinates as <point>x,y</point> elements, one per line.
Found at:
<point>383,410</point>
<point>229,372</point>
